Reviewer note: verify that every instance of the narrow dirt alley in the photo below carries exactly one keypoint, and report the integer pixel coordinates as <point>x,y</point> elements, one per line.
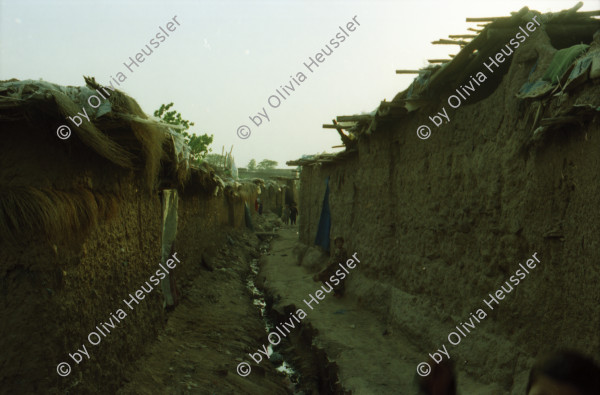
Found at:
<point>339,348</point>
<point>346,342</point>
<point>209,333</point>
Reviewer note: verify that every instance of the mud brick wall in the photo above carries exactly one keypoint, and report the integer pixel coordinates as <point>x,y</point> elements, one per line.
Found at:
<point>54,295</point>
<point>441,223</point>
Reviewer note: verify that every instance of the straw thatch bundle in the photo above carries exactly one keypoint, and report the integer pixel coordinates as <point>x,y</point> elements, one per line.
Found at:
<point>58,214</point>
<point>60,188</point>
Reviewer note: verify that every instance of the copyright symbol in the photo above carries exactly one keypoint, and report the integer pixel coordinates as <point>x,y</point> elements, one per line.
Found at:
<point>423,132</point>
<point>63,132</point>
<point>63,369</point>
<point>243,132</point>
<point>423,369</point>
<point>243,369</point>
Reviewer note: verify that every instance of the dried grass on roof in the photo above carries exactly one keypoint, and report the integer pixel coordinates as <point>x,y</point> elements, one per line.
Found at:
<point>151,138</point>
<point>90,135</point>
<point>60,215</point>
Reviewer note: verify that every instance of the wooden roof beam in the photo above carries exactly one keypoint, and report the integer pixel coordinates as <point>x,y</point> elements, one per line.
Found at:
<point>462,35</point>
<point>445,41</point>
<point>408,71</point>
<point>488,19</point>
<point>354,118</point>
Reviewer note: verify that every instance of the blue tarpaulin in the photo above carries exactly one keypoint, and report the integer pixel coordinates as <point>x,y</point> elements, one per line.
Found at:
<point>322,238</point>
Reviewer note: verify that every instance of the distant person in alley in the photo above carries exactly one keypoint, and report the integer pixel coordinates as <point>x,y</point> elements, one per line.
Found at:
<point>293,213</point>
<point>285,217</point>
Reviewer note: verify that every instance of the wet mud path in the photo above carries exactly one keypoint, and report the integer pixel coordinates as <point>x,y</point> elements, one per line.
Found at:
<point>339,348</point>
<point>209,333</point>
<point>351,349</point>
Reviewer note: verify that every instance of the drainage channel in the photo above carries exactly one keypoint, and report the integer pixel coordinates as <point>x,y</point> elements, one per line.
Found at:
<point>276,358</point>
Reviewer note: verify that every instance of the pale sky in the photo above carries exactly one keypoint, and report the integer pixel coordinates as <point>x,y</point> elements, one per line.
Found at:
<point>226,58</point>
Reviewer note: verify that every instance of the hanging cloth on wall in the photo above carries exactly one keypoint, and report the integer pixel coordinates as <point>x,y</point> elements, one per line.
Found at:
<point>322,238</point>
<point>169,231</point>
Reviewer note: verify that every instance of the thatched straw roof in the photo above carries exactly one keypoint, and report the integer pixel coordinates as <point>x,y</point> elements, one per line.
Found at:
<point>60,187</point>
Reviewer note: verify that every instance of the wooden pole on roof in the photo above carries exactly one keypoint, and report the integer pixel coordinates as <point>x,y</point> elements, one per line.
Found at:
<point>487,19</point>
<point>462,35</point>
<point>407,71</point>
<point>446,41</point>
<point>589,13</point>
<point>345,139</point>
<point>439,60</point>
<point>354,118</point>
<point>574,9</point>
<point>474,30</point>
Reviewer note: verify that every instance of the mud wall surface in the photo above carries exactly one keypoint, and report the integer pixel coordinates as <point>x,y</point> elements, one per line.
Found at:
<point>55,291</point>
<point>201,230</point>
<point>439,224</point>
<point>272,197</point>
<point>55,295</point>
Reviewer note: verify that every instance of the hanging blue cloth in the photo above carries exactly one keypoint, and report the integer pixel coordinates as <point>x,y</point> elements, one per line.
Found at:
<point>322,238</point>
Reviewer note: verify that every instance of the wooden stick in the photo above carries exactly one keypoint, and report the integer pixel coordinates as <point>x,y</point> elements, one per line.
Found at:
<point>345,139</point>
<point>332,126</point>
<point>462,35</point>
<point>408,71</point>
<point>574,9</point>
<point>354,118</point>
<point>589,13</point>
<point>487,19</point>
<point>474,30</point>
<point>446,41</point>
<point>439,60</point>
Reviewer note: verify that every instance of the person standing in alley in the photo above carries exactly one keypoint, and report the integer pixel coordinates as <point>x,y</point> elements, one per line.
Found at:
<point>293,213</point>
<point>285,217</point>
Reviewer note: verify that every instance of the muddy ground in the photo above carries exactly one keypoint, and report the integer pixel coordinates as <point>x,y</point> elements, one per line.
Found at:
<point>209,333</point>
<point>339,348</point>
<point>369,355</point>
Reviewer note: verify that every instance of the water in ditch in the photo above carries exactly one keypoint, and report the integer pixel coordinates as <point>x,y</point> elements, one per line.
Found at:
<point>276,358</point>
